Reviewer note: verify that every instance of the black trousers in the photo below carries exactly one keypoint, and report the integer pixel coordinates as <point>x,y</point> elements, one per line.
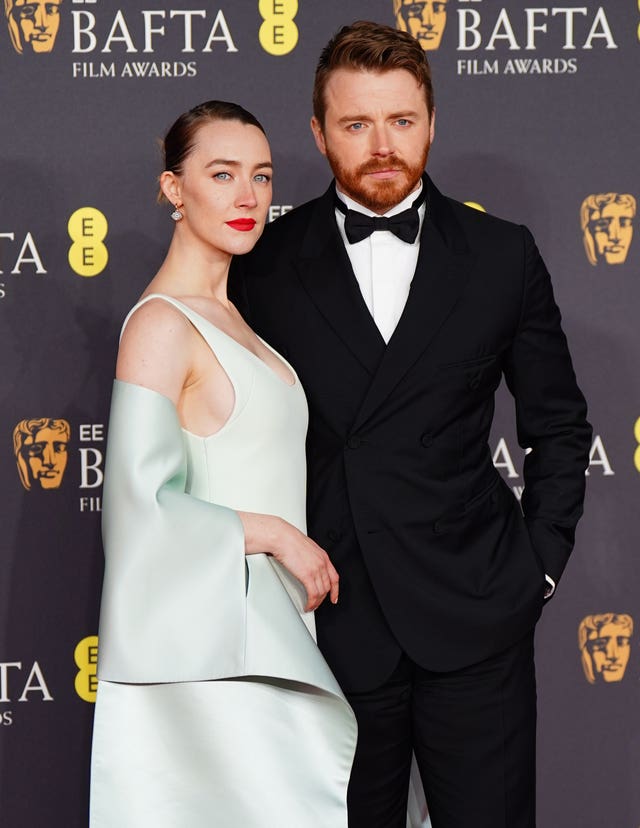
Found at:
<point>473,734</point>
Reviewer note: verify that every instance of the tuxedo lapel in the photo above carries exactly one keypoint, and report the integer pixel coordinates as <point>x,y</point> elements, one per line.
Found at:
<point>325,271</point>
<point>443,267</point>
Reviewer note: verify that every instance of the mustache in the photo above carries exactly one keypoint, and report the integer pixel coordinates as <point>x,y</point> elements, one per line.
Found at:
<point>376,165</point>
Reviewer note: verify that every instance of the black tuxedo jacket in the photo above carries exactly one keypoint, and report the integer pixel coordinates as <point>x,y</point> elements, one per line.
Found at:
<point>434,554</point>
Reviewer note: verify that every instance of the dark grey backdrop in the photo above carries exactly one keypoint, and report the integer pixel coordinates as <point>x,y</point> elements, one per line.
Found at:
<point>528,140</point>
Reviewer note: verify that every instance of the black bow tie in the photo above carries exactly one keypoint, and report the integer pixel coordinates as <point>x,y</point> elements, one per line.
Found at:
<point>404,225</point>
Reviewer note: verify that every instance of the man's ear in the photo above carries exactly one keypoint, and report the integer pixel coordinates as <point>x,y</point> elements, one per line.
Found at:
<point>318,134</point>
<point>170,186</point>
<point>432,125</point>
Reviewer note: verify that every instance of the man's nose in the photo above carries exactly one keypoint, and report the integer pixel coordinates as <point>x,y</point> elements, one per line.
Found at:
<point>48,457</point>
<point>382,140</point>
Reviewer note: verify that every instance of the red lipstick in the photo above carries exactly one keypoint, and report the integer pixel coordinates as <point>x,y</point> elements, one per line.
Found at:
<point>243,224</point>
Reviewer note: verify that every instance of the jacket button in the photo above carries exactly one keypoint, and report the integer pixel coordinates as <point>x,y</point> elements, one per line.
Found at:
<point>426,439</point>
<point>354,442</point>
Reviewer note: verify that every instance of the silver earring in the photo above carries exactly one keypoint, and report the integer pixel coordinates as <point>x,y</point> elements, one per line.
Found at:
<point>177,215</point>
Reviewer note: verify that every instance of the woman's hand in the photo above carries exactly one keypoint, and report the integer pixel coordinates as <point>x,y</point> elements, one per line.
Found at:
<point>304,559</point>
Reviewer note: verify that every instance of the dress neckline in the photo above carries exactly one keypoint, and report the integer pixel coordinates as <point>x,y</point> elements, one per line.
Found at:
<point>243,348</point>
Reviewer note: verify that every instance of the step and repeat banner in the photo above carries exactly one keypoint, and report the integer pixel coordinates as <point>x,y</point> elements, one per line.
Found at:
<point>537,121</point>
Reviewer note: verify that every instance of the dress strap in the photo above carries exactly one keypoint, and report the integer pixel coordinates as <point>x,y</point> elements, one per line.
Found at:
<point>230,354</point>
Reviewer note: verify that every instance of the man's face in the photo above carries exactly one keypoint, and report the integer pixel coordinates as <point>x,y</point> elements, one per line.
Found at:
<point>609,649</point>
<point>46,456</point>
<point>612,229</point>
<point>424,19</point>
<point>38,22</point>
<point>376,136</point>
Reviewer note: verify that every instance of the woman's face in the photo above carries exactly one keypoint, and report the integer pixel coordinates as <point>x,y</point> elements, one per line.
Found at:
<point>225,186</point>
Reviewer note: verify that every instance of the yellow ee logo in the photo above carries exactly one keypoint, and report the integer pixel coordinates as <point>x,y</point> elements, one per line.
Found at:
<point>636,455</point>
<point>86,658</point>
<point>475,206</point>
<point>278,33</point>
<point>87,229</point>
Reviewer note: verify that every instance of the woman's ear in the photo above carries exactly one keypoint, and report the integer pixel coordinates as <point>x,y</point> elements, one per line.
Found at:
<point>170,186</point>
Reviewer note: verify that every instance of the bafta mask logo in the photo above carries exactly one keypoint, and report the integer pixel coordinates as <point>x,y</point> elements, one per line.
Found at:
<point>607,226</point>
<point>604,642</point>
<point>33,24</point>
<point>40,447</point>
<point>424,19</point>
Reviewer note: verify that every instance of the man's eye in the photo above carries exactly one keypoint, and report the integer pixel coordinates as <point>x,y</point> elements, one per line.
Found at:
<point>356,127</point>
<point>403,122</point>
<point>60,448</point>
<point>601,226</point>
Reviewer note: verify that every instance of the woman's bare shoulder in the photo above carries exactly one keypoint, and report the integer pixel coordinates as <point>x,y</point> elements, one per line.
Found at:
<point>155,348</point>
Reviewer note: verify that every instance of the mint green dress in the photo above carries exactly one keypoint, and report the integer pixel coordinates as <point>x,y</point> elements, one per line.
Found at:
<point>215,708</point>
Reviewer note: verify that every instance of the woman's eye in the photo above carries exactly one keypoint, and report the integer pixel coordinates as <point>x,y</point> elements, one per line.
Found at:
<point>222,176</point>
<point>263,178</point>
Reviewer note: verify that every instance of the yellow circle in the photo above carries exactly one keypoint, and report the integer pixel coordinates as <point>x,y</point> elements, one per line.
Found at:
<point>475,206</point>
<point>278,36</point>
<point>88,260</point>
<point>87,223</point>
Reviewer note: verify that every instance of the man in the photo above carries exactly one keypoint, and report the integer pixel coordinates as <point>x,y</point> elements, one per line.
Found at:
<point>604,642</point>
<point>607,226</point>
<point>33,23</point>
<point>400,344</point>
<point>40,447</point>
<point>424,19</point>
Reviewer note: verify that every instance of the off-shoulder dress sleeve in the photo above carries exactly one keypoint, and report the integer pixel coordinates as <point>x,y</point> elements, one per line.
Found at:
<point>174,594</point>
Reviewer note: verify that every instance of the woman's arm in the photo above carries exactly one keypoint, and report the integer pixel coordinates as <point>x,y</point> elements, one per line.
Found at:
<point>158,351</point>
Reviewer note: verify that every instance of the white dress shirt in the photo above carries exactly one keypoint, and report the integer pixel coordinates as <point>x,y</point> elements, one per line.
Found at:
<point>383,264</point>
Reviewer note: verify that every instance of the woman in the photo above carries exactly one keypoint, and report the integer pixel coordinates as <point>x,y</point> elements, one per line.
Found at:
<point>215,707</point>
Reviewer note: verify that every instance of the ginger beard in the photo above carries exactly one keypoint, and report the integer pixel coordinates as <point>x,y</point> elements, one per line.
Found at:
<point>376,194</point>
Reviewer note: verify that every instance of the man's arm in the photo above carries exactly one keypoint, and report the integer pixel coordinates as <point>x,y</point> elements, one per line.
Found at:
<point>550,416</point>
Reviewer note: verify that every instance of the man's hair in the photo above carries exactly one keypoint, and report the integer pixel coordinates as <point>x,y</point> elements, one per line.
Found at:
<point>593,624</point>
<point>596,204</point>
<point>374,48</point>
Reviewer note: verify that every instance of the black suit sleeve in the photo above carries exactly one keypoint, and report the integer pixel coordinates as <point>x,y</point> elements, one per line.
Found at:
<point>551,418</point>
